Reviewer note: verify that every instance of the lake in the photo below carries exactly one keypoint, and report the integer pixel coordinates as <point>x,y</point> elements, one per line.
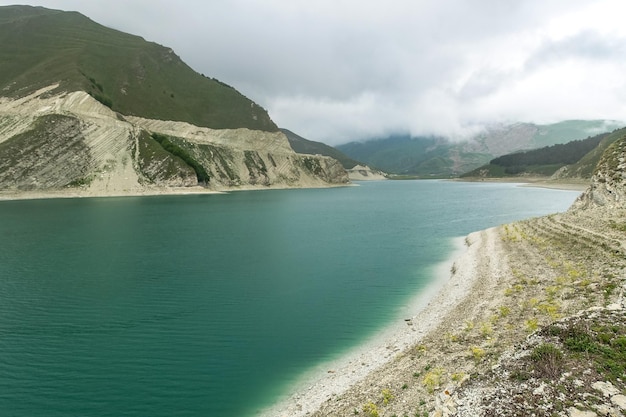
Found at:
<point>215,305</point>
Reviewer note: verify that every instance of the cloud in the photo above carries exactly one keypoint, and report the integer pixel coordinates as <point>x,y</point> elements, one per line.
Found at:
<point>341,70</point>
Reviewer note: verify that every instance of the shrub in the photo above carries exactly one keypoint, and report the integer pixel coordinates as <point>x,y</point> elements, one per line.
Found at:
<point>547,361</point>
<point>477,353</point>
<point>370,409</point>
<point>531,324</point>
<point>433,379</point>
<point>485,329</point>
<point>387,396</point>
<point>504,311</point>
<point>176,150</point>
<point>458,376</point>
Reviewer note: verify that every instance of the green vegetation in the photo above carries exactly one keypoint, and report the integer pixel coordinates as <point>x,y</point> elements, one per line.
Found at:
<point>433,379</point>
<point>603,343</point>
<point>370,409</point>
<point>547,361</point>
<point>580,156</point>
<point>54,143</point>
<point>255,164</point>
<point>40,47</point>
<point>585,166</point>
<point>563,132</point>
<point>172,148</point>
<point>312,165</point>
<point>559,154</point>
<point>435,157</point>
<point>156,163</point>
<point>387,396</point>
<point>309,147</point>
<point>542,162</point>
<point>406,155</point>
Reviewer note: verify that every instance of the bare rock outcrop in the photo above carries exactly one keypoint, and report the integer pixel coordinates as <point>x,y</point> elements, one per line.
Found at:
<point>365,173</point>
<point>70,141</point>
<point>607,189</point>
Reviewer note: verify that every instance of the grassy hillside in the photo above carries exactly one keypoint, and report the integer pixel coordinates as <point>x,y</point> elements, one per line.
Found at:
<point>437,157</point>
<point>585,167</point>
<point>309,147</point>
<point>543,161</point>
<point>40,47</point>
<point>425,157</point>
<point>552,134</point>
<point>579,158</point>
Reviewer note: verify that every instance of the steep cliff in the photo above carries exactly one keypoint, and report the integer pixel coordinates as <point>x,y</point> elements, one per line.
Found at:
<point>607,184</point>
<point>94,111</point>
<point>73,142</point>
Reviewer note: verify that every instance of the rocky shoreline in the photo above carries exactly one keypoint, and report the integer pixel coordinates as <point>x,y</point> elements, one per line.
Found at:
<point>509,282</point>
<point>478,348</point>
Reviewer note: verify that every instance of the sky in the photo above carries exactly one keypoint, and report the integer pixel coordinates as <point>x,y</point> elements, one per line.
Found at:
<point>342,70</point>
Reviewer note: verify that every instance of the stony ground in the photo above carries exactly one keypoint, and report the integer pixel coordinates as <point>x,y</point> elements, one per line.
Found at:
<point>543,332</point>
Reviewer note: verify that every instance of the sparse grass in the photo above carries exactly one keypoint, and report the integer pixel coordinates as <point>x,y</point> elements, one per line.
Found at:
<point>486,329</point>
<point>504,311</point>
<point>458,376</point>
<point>387,396</point>
<point>532,324</point>
<point>433,379</point>
<point>604,344</point>
<point>477,353</point>
<point>370,409</point>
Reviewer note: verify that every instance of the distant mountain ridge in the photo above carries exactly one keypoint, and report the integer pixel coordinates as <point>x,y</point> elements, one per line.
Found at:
<point>575,159</point>
<point>428,157</point>
<point>302,145</point>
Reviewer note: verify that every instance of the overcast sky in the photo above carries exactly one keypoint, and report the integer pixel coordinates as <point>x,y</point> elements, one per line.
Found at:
<point>341,70</point>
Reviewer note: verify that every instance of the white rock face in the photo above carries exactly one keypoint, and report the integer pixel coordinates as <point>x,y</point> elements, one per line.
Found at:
<point>365,173</point>
<point>607,188</point>
<point>72,140</point>
<point>574,412</point>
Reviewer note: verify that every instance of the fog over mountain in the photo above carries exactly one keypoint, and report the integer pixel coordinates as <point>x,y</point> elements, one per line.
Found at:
<point>351,70</point>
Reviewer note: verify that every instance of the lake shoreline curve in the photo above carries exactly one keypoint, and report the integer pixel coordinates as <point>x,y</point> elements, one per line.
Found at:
<point>493,296</point>
<point>454,286</point>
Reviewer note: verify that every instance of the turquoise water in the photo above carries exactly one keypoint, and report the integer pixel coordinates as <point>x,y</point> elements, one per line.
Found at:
<point>213,305</point>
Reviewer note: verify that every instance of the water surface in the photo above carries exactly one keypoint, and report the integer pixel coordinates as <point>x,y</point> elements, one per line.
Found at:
<point>214,305</point>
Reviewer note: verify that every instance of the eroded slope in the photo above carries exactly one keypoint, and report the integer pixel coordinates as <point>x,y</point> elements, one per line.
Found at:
<point>70,141</point>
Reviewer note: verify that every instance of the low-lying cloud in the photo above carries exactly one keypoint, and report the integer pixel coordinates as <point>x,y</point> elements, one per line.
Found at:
<point>337,71</point>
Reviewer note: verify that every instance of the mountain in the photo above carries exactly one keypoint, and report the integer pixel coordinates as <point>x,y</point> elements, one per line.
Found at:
<point>439,157</point>
<point>575,159</point>
<point>40,47</point>
<point>537,162</point>
<point>302,145</point>
<point>99,111</point>
<point>585,167</point>
<point>607,189</point>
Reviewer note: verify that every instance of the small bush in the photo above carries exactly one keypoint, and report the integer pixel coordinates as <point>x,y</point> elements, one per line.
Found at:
<point>477,353</point>
<point>547,361</point>
<point>169,146</point>
<point>532,324</point>
<point>504,311</point>
<point>370,409</point>
<point>432,379</point>
<point>485,329</point>
<point>458,376</point>
<point>387,396</point>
